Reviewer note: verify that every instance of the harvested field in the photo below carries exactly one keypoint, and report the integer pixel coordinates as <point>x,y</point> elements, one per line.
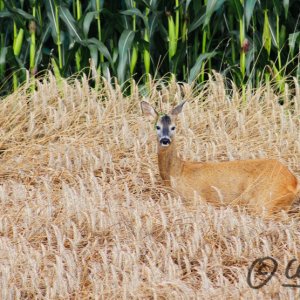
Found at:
<point>84,214</point>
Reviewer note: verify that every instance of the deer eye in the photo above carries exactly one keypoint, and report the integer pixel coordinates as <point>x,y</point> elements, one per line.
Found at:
<point>173,128</point>
<point>157,127</point>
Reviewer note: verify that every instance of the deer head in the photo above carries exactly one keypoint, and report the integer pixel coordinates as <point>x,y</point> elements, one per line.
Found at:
<point>164,123</point>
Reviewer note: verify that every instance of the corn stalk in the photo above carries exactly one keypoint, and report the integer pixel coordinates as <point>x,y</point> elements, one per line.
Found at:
<point>146,55</point>
<point>2,44</point>
<point>98,18</point>
<point>18,41</point>
<point>249,41</point>
<point>78,52</point>
<point>32,32</point>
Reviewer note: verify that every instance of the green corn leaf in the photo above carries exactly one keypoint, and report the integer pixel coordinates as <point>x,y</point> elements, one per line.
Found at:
<point>115,55</point>
<point>179,59</point>
<point>172,37</point>
<point>57,74</point>
<point>153,20</point>
<point>277,5</point>
<point>152,4</point>
<point>5,14</point>
<point>249,8</point>
<point>18,11</point>
<point>23,14</point>
<point>184,31</point>
<point>94,54</point>
<point>88,19</point>
<point>32,51</point>
<point>198,22</point>
<point>101,48</point>
<point>146,54</point>
<point>187,4</point>
<point>286,7</point>
<point>195,70</point>
<point>124,45</point>
<point>177,19</point>
<point>211,7</point>
<point>51,16</point>
<point>147,59</point>
<point>3,52</point>
<point>250,57</point>
<point>280,80</point>
<point>45,34</point>
<point>12,59</point>
<point>236,4</point>
<point>128,3</point>
<point>125,42</point>
<point>71,24</point>
<point>56,69</point>
<point>19,16</point>
<point>266,33</point>
<point>273,33</point>
<point>135,12</point>
<point>293,38</point>
<point>105,70</point>
<point>282,35</point>
<point>126,23</point>
<point>19,42</point>
<point>70,58</point>
<point>133,60</point>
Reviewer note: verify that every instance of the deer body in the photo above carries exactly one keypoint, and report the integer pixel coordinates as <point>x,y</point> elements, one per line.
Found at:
<point>260,184</point>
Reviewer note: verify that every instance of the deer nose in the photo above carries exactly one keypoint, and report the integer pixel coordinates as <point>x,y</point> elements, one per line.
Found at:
<point>165,141</point>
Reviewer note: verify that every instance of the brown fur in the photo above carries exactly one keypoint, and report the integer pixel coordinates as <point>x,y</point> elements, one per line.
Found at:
<point>261,185</point>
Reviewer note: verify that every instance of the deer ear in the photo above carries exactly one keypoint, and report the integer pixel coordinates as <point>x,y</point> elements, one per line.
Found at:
<point>178,109</point>
<point>148,110</point>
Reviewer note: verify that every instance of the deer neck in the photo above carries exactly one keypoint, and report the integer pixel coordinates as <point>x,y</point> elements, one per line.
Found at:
<point>168,162</point>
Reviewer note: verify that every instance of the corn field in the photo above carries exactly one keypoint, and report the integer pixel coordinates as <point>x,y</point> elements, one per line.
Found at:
<point>247,41</point>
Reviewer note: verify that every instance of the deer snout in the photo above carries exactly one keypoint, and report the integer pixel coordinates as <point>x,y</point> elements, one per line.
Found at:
<point>165,141</point>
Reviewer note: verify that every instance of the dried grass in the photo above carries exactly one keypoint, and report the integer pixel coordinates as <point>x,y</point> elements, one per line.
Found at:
<point>83,211</point>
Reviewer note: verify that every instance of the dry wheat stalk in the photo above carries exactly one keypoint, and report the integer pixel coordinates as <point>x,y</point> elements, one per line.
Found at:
<point>83,211</point>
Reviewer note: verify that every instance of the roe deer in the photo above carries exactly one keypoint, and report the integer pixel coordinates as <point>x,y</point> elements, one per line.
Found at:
<point>263,185</point>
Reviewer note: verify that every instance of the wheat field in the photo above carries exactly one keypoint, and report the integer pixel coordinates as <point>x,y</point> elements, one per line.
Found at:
<point>84,214</point>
